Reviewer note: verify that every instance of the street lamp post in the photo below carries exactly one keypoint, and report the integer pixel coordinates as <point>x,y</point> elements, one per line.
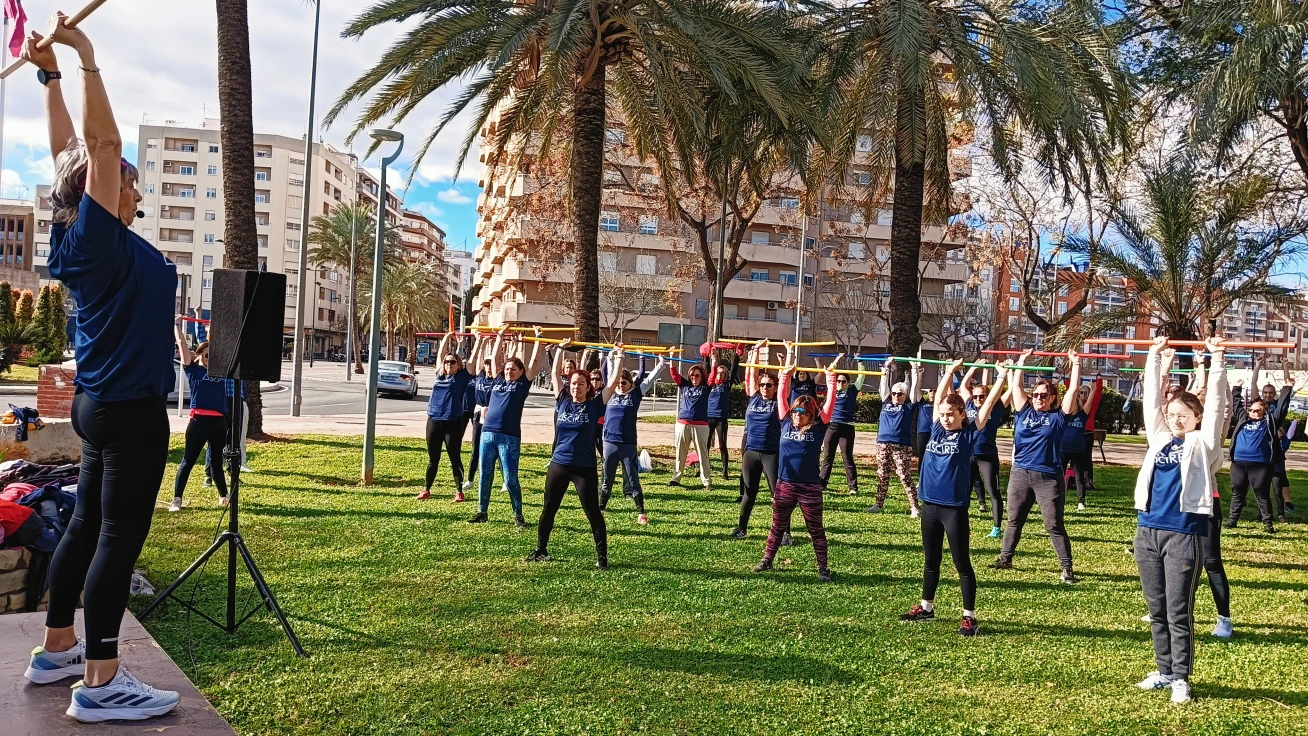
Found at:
<point>297,371</point>
<point>313,322</point>
<point>349,297</point>
<point>374,338</point>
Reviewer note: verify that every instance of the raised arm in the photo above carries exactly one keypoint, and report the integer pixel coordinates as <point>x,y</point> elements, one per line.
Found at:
<point>1254,388</point>
<point>915,383</point>
<point>713,368</point>
<point>942,395</point>
<point>558,366</point>
<point>444,346</point>
<point>751,374</point>
<point>830,405</point>
<point>1016,384</point>
<point>992,400</point>
<point>653,376</point>
<point>497,353</point>
<point>883,387</point>
<point>1151,392</point>
<point>1071,399</point>
<point>58,122</point>
<point>965,386</point>
<point>1095,394</point>
<point>611,382</point>
<point>1215,407</point>
<point>783,390</point>
<point>538,349</point>
<point>104,144</point>
<point>1198,379</point>
<point>183,343</point>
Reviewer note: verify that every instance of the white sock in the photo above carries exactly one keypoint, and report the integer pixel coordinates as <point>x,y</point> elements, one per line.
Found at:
<point>928,606</point>
<point>969,614</point>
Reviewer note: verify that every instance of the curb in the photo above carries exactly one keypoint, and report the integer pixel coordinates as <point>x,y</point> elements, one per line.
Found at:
<point>21,389</point>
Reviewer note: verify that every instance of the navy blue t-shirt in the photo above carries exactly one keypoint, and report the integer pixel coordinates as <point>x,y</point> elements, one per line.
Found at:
<point>448,393</point>
<point>575,427</point>
<point>1038,440</point>
<point>207,393</point>
<point>125,294</point>
<point>895,425</point>
<point>986,446</point>
<point>797,461</point>
<point>504,412</point>
<point>762,425</point>
<point>946,474</point>
<point>719,400</point>
<point>925,416</point>
<point>693,406</point>
<point>1074,433</point>
<point>620,416</point>
<point>846,405</point>
<point>1163,511</point>
<point>1252,442</point>
<point>482,388</point>
<point>806,387</point>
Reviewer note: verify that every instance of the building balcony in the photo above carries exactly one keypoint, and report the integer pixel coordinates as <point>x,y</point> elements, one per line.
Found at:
<point>774,253</point>
<point>758,329</point>
<point>779,216</point>
<point>770,291</point>
<point>951,272</point>
<point>533,313</point>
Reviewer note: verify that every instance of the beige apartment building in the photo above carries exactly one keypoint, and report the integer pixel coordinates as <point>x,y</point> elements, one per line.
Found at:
<point>17,245</point>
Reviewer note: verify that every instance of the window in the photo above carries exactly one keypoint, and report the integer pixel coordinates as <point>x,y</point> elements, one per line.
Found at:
<point>262,153</point>
<point>615,135</point>
<point>1062,290</point>
<point>322,293</point>
<point>608,261</point>
<point>210,215</point>
<point>334,277</point>
<point>858,251</point>
<point>297,162</point>
<point>152,143</point>
<point>260,198</point>
<point>213,148</point>
<point>206,283</point>
<point>701,309</point>
<point>609,221</point>
<point>1015,286</point>
<point>207,262</point>
<point>1062,307</point>
<point>292,244</point>
<point>885,217</point>
<point>208,237</point>
<point>649,225</point>
<point>212,170</point>
<point>293,225</point>
<point>787,277</point>
<point>611,176</point>
<point>864,178</point>
<point>646,265</point>
<point>187,193</point>
<point>148,234</point>
<point>149,166</point>
<point>186,170</point>
<point>295,180</point>
<point>731,311</point>
<point>1014,304</point>
<point>789,203</point>
<point>760,237</point>
<point>856,217</point>
<point>808,280</point>
<point>149,188</point>
<point>211,193</point>
<point>262,240</point>
<point>261,176</point>
<point>864,143</point>
<point>1130,332</point>
<point>758,274</point>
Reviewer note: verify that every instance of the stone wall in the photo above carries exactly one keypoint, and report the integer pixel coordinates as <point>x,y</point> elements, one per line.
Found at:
<point>54,391</point>
<point>13,580</point>
<point>55,444</point>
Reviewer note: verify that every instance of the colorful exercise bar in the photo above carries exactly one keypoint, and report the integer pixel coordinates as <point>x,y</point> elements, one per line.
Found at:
<point>1141,370</point>
<point>933,361</point>
<point>543,329</point>
<point>195,319</point>
<point>630,354</point>
<point>740,341</point>
<point>851,372</point>
<point>1192,354</point>
<point>1193,343</point>
<point>1050,354</point>
<point>866,358</point>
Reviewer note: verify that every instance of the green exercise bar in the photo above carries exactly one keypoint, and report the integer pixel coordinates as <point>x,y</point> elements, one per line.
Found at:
<point>932,361</point>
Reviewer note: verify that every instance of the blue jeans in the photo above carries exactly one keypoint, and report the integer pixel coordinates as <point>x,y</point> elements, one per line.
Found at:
<point>506,448</point>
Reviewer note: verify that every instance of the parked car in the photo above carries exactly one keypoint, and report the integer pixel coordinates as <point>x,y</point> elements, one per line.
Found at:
<point>395,376</point>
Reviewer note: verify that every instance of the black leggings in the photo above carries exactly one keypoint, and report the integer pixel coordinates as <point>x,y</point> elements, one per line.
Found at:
<point>920,440</point>
<point>203,430</point>
<point>476,445</point>
<point>1280,483</point>
<point>1080,463</point>
<point>586,479</point>
<point>753,467</point>
<point>718,430</point>
<point>843,435</point>
<point>985,477</point>
<point>1090,443</point>
<point>1258,475</point>
<point>939,522</point>
<point>448,432</point>
<point>1211,546</point>
<point>124,450</point>
<point>622,453</point>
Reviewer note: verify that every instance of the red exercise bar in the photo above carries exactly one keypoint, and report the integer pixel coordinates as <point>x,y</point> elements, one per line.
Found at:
<point>195,319</point>
<point>1049,354</point>
<point>1193,343</point>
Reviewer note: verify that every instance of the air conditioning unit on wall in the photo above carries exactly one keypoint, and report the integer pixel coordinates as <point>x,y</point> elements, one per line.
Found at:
<point>772,306</point>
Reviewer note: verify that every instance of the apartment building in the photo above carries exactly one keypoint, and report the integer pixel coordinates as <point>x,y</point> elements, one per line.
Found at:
<point>1259,320</point>
<point>17,244</point>
<point>42,217</point>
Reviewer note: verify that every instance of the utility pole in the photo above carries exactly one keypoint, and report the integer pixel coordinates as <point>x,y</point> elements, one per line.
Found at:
<point>297,371</point>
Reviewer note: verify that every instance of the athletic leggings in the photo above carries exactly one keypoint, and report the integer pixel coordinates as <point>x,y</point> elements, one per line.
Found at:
<point>1280,484</point>
<point>841,434</point>
<point>1211,548</point>
<point>624,453</point>
<point>985,475</point>
<point>1258,475</point>
<point>447,432</point>
<point>556,487</point>
<point>753,467</point>
<point>900,459</point>
<point>939,522</point>
<point>718,431</point>
<point>1079,462</point>
<point>475,462</point>
<point>124,450</point>
<point>203,431</point>
<point>785,497</point>
<point>1090,443</point>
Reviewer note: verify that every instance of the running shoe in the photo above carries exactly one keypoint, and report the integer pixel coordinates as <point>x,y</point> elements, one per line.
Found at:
<point>1155,681</point>
<point>222,501</point>
<point>176,505</point>
<point>825,575</point>
<point>675,482</point>
<point>459,497</point>
<point>1001,564</point>
<point>479,518</point>
<point>519,522</point>
<point>994,532</point>
<point>1080,507</point>
<point>47,667</point>
<point>1269,528</point>
<point>786,539</point>
<point>467,485</point>
<point>246,469</point>
<point>642,519</point>
<point>1229,524</point>
<point>423,495</point>
<point>918,614</point>
<point>1289,507</point>
<point>913,513</point>
<point>763,566</point>
<point>539,556</point>
<point>875,509</point>
<point>602,563</point>
<point>123,698</point>
<point>984,510</point>
<point>853,491</point>
<point>1282,518</point>
<point>1147,619</point>
<point>1180,692</point>
<point>1224,629</point>
<point>738,533</point>
<point>967,627</point>
<point>1067,577</point>
<point>708,485</point>
<point>207,481</point>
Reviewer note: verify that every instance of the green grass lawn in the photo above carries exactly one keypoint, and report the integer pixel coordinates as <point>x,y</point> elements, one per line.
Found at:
<point>20,374</point>
<point>419,623</point>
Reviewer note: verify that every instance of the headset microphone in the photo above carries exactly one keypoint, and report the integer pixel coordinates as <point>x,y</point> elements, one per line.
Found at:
<point>140,213</point>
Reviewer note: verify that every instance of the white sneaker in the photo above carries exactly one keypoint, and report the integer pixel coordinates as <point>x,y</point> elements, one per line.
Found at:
<point>913,513</point>
<point>1224,629</point>
<point>1147,618</point>
<point>122,698</point>
<point>1180,691</point>
<point>222,501</point>
<point>1155,681</point>
<point>208,481</point>
<point>1080,507</point>
<point>467,485</point>
<point>246,468</point>
<point>176,505</point>
<point>47,667</point>
<point>504,488</point>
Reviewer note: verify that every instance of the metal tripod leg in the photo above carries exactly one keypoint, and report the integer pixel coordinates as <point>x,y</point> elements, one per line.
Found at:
<point>217,544</point>
<point>268,599</point>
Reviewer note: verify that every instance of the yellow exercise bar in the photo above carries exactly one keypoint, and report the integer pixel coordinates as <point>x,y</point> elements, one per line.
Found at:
<point>740,341</point>
<point>544,329</point>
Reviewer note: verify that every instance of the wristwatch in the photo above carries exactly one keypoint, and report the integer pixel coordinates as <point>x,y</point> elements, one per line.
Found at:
<point>44,77</point>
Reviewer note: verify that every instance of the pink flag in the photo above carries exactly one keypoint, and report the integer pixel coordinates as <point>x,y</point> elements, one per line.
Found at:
<point>14,12</point>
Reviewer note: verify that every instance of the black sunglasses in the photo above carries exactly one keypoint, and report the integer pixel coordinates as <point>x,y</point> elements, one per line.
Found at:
<point>769,384</point>
<point>1040,394</point>
<point>451,361</point>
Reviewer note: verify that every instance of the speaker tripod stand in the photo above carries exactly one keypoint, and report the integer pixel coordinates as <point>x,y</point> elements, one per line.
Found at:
<point>235,545</point>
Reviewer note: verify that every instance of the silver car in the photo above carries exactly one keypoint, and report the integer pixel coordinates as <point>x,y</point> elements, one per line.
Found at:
<point>397,377</point>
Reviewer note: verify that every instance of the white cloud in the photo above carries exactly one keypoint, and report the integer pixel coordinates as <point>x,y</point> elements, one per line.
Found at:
<point>453,196</point>
<point>428,209</point>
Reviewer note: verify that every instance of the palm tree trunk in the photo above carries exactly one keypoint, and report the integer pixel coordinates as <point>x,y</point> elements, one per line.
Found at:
<point>587,187</point>
<point>235,107</point>
<point>905,250</point>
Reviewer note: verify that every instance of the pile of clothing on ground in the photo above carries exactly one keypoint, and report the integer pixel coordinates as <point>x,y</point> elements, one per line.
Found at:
<point>36,504</point>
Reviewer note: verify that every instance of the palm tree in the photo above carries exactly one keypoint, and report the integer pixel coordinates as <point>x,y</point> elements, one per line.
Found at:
<point>411,299</point>
<point>346,236</point>
<point>13,338</point>
<point>240,247</point>
<point>908,79</point>
<point>551,70</point>
<point>1192,250</point>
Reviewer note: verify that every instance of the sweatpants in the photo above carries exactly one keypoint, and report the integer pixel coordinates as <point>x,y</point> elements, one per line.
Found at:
<point>203,431</point>
<point>684,436</point>
<point>1078,462</point>
<point>1169,575</point>
<point>899,458</point>
<point>1257,475</point>
<point>475,462</point>
<point>717,430</point>
<point>754,466</point>
<point>939,523</point>
<point>586,481</point>
<point>447,433</point>
<point>842,435</point>
<point>505,448</point>
<point>623,453</point>
<point>785,497</point>
<point>124,450</point>
<point>1211,546</point>
<point>985,478</point>
<point>1029,487</point>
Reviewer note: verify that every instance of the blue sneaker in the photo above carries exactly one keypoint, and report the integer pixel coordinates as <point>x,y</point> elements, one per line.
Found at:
<point>123,698</point>
<point>994,532</point>
<point>47,667</point>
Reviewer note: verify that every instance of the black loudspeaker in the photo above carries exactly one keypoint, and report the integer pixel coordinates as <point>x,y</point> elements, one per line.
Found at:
<point>249,309</point>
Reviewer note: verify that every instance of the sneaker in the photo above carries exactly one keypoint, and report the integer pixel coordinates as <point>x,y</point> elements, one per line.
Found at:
<point>467,485</point>
<point>1282,518</point>
<point>246,469</point>
<point>539,556</point>
<point>642,519</point>
<point>222,501</point>
<point>1224,629</point>
<point>176,505</point>
<point>738,533</point>
<point>479,518</point>
<point>1067,577</point>
<point>825,575</point>
<point>504,488</point>
<point>875,509</point>
<point>1289,507</point>
<point>913,513</point>
<point>47,667</point>
<point>602,563</point>
<point>853,491</point>
<point>1146,619</point>
<point>967,627</point>
<point>1269,528</point>
<point>1080,507</point>
<point>675,482</point>
<point>1229,524</point>
<point>708,486</point>
<point>519,522</point>
<point>207,481</point>
<point>123,698</point>
<point>995,533</point>
<point>423,495</point>
<point>786,540</point>
<point>1180,691</point>
<point>918,614</point>
<point>1001,564</point>
<point>763,566</point>
<point>459,497</point>
<point>1155,681</point>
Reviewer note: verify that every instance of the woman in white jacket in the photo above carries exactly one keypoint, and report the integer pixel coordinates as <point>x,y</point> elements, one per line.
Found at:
<point>1174,498</point>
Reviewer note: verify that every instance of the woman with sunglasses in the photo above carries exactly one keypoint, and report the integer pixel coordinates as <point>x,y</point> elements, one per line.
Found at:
<point>985,454</point>
<point>895,438</point>
<point>208,425</point>
<point>619,431</point>
<point>762,437</point>
<point>445,418</point>
<point>799,481</point>
<point>840,432</point>
<point>721,379</point>
<point>946,492</point>
<point>501,432</point>
<point>1037,475</point>
<point>1255,451</point>
<point>576,422</point>
<point>692,421</point>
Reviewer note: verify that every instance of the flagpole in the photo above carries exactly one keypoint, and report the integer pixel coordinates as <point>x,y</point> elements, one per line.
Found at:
<point>3,82</point>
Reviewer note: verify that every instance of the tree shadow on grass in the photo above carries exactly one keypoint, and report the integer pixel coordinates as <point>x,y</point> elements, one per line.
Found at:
<point>1206,690</point>
<point>299,512</point>
<point>721,665</point>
